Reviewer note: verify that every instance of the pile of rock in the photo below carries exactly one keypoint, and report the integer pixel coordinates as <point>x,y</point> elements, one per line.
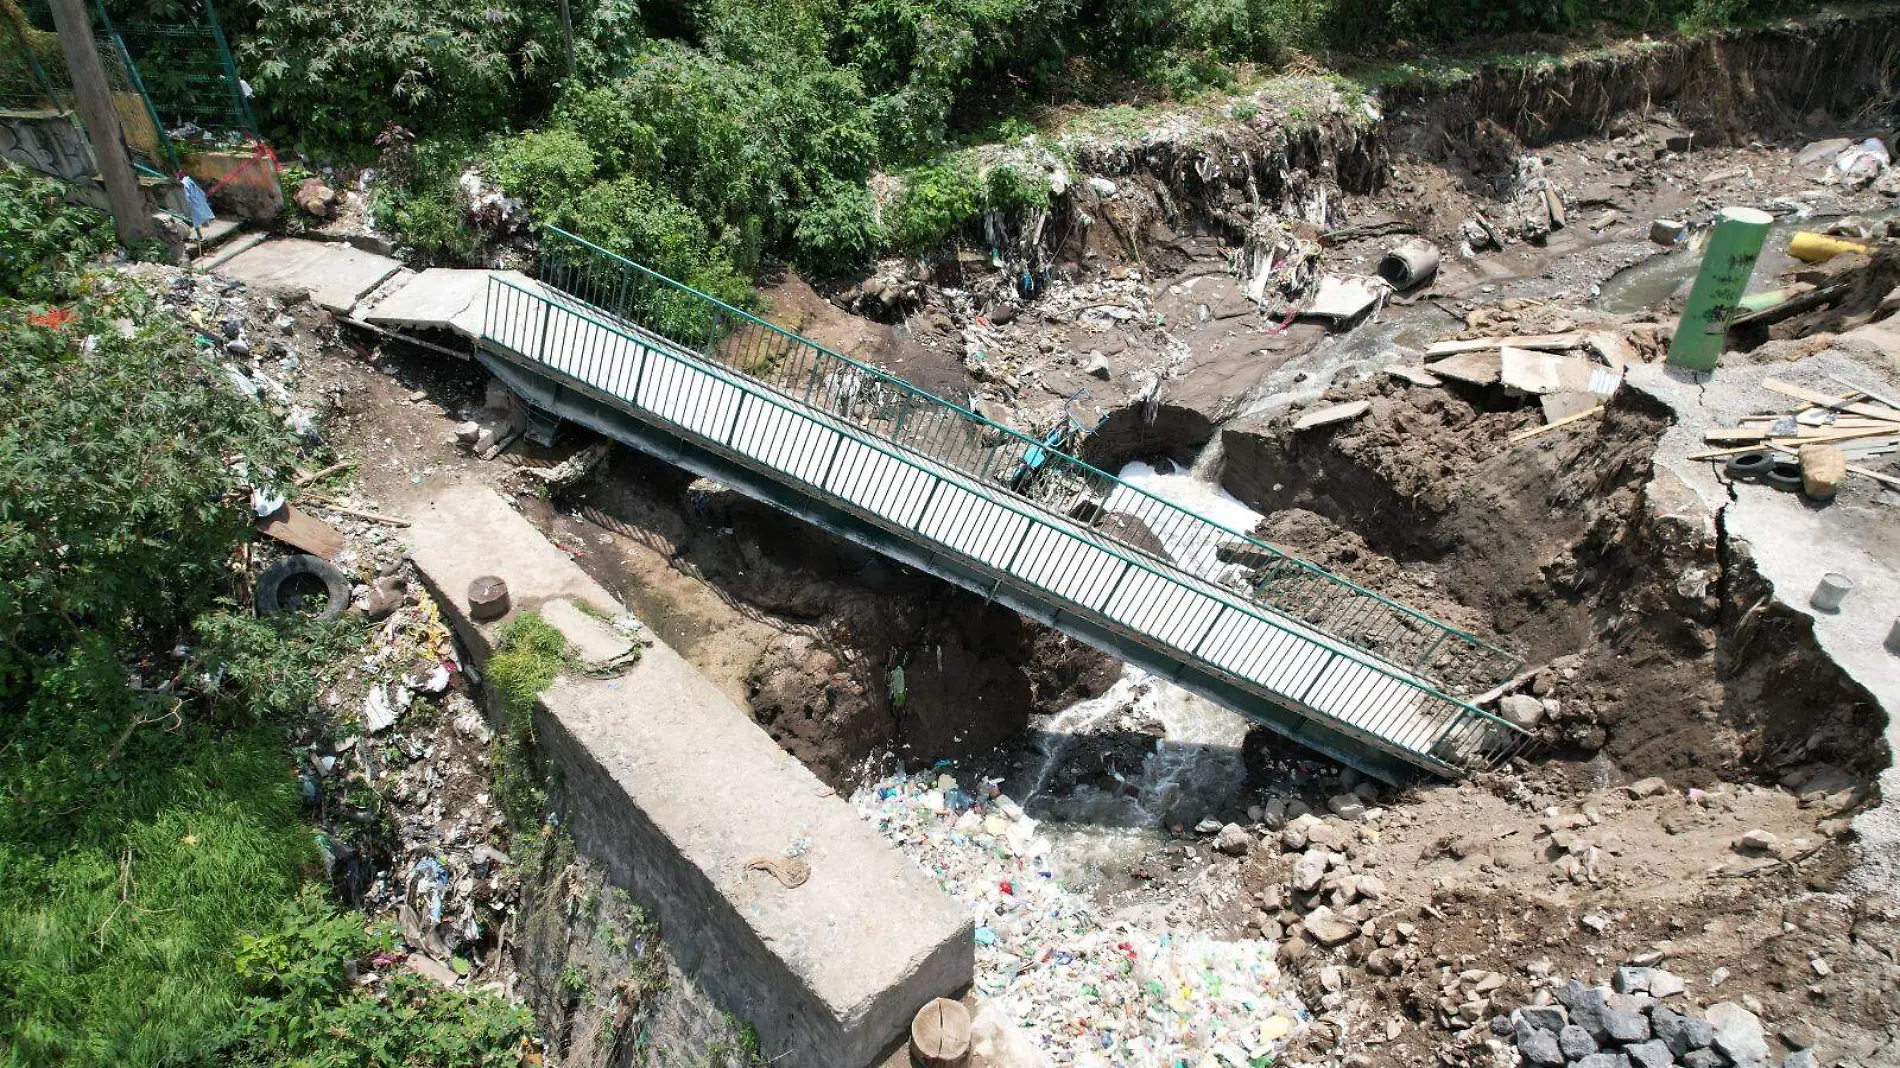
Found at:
<point>1628,1025</point>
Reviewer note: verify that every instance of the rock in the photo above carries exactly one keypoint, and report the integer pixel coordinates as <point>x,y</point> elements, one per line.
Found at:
<point>316,198</point>
<point>1701,1058</point>
<point>1630,981</point>
<point>1549,1017</point>
<point>1328,835</point>
<point>1208,826</point>
<point>1328,928</point>
<point>1756,841</point>
<point>1801,1058</point>
<point>1650,1054</point>
<point>1797,1034</point>
<point>1595,922</point>
<point>1233,841</point>
<point>1822,469</point>
<point>1293,950</point>
<point>1664,984</point>
<point>1623,1025</point>
<point>1650,787</point>
<point>1681,1033</point>
<point>1309,870</point>
<point>1668,232</point>
<point>1501,1026</point>
<point>1099,367</point>
<point>1347,806</point>
<point>238,347</point>
<point>1521,710</point>
<point>1273,814</point>
<point>468,432</point>
<point>1385,962</point>
<point>1585,1006</point>
<point>1609,218</point>
<point>1102,186</point>
<point>1575,1042</point>
<point>1737,1034</point>
<point>1538,1045</point>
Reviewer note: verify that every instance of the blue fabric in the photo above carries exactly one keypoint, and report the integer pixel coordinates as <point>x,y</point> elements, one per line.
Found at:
<point>197,204</point>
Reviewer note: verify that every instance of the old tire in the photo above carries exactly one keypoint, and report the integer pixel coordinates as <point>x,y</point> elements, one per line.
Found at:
<point>1751,465</point>
<point>273,598</point>
<point>1785,474</point>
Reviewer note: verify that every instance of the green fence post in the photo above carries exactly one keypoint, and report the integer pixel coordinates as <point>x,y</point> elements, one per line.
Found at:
<point>1726,265</point>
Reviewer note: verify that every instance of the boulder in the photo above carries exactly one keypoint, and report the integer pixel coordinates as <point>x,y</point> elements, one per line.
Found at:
<point>1328,928</point>
<point>1737,1034</point>
<point>1575,1042</point>
<point>1233,840</point>
<point>316,198</point>
<point>1538,1045</point>
<point>1309,870</point>
<point>1650,1054</point>
<point>1347,806</point>
<point>1650,787</point>
<point>1521,710</point>
<point>1822,469</point>
<point>1549,1017</point>
<point>1586,1008</point>
<point>1623,1025</point>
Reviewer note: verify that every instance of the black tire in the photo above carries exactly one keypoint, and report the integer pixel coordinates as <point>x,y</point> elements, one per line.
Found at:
<point>1785,474</point>
<point>1751,465</point>
<point>270,585</point>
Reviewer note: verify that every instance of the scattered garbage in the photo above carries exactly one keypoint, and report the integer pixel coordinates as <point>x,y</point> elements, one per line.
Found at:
<point>1410,264</point>
<point>1080,987</point>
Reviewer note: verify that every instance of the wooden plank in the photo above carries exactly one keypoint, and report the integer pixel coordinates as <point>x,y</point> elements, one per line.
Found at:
<point>1716,454</point>
<point>1789,389</point>
<point>1886,400</point>
<point>1526,435</point>
<point>1563,404</point>
<point>1544,342</point>
<point>300,530</point>
<point>1731,435</point>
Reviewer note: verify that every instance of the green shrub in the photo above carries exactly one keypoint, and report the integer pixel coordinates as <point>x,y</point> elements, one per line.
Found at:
<point>303,1011</point>
<point>420,198</point>
<point>839,228</point>
<point>1010,189</point>
<point>545,165</point>
<point>935,201</point>
<point>44,241</point>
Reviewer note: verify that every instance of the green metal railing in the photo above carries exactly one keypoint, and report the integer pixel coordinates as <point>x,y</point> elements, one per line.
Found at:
<point>902,414</point>
<point>991,530</point>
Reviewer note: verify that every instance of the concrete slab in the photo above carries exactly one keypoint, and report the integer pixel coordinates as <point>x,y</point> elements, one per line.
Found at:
<point>674,788</point>
<point>595,644</point>
<point>1794,541</point>
<point>439,298</point>
<point>335,275</point>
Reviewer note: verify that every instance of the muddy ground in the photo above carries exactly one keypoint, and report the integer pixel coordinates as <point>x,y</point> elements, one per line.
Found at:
<point>1640,635</point>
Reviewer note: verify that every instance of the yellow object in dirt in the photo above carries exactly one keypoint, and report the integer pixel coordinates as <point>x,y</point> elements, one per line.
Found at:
<point>1813,248</point>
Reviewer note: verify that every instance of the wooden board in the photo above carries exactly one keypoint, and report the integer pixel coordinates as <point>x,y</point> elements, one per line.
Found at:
<point>300,530</point>
<point>1544,342</point>
<point>1812,396</point>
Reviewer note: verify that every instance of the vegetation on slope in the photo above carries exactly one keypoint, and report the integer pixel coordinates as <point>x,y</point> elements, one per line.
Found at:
<point>152,841</point>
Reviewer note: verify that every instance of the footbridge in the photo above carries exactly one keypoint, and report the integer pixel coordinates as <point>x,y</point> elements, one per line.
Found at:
<point>606,343</point>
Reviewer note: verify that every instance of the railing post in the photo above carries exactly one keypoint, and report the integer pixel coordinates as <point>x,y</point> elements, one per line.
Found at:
<point>1425,660</point>
<point>547,319</point>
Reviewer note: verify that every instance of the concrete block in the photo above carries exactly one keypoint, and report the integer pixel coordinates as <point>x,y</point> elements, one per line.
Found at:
<point>673,789</point>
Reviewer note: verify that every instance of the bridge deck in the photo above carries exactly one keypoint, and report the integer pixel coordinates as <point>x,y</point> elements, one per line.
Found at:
<point>982,522</point>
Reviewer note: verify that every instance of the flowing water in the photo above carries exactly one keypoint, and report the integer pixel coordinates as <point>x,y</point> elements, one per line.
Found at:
<point>1110,773</point>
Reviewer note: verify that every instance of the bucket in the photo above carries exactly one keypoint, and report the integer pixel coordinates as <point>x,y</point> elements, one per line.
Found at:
<point>1833,589</point>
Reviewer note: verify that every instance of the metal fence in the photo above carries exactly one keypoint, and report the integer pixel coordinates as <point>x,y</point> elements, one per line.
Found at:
<point>975,518</point>
<point>1035,471</point>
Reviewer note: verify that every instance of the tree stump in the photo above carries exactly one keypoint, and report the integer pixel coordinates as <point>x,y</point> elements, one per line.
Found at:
<point>940,1035</point>
<point>487,598</point>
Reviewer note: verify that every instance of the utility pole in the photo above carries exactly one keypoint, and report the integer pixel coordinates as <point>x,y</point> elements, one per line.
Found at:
<point>130,219</point>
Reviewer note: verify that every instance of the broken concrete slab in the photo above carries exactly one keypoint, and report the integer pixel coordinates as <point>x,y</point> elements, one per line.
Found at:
<point>1340,299</point>
<point>1543,372</point>
<point>335,275</point>
<point>438,299</point>
<point>1333,413</point>
<point>673,788</point>
<point>1477,368</point>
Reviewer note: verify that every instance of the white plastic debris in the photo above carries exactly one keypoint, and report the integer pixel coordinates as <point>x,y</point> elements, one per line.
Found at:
<point>379,712</point>
<point>1078,987</point>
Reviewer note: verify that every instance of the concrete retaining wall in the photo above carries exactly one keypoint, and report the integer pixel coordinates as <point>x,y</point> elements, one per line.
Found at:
<point>674,790</point>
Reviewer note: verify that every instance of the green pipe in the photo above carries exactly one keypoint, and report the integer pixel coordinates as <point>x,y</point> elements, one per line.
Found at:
<point>1730,259</point>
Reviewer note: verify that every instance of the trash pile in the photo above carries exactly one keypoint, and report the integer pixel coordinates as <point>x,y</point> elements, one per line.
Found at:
<point>1082,988</point>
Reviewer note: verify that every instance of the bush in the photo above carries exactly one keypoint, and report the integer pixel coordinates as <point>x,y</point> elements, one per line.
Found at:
<point>935,201</point>
<point>839,228</point>
<point>303,1011</point>
<point>546,165</point>
<point>44,241</point>
<point>420,197</point>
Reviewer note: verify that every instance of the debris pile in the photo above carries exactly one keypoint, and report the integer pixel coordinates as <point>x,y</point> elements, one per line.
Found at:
<point>1081,987</point>
<point>1812,448</point>
<point>1641,1020</point>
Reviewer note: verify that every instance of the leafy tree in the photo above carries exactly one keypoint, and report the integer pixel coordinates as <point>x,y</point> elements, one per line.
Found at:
<point>44,241</point>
